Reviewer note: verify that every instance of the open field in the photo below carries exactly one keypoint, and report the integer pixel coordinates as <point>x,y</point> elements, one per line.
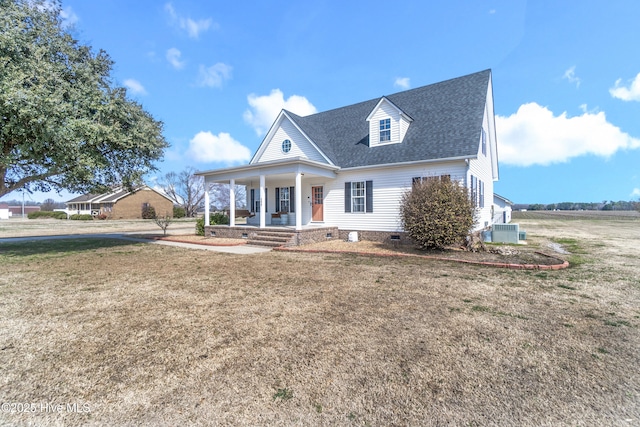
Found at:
<point>574,215</point>
<point>138,334</point>
<point>18,227</point>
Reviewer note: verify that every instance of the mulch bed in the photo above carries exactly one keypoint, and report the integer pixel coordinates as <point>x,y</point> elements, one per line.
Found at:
<point>500,256</point>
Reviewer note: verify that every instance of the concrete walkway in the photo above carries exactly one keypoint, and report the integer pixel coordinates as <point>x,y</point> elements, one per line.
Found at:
<point>239,250</point>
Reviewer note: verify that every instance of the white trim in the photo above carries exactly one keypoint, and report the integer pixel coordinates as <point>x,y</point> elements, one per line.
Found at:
<point>206,207</point>
<point>262,204</point>
<point>383,99</point>
<point>412,163</point>
<point>276,124</point>
<point>298,201</point>
<point>232,203</point>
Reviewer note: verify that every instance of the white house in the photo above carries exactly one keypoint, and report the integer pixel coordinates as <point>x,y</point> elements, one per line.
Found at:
<point>348,167</point>
<point>502,209</point>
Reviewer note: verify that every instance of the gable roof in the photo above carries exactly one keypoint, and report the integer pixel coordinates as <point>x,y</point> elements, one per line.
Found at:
<point>112,196</point>
<point>447,122</point>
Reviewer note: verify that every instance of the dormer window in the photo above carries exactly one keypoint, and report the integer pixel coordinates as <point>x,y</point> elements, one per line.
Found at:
<point>385,130</point>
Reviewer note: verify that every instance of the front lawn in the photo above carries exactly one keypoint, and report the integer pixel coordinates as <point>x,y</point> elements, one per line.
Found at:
<point>144,334</point>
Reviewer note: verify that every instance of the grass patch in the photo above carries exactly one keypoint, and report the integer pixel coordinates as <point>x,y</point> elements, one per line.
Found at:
<point>12,252</point>
<point>155,335</point>
<point>283,394</point>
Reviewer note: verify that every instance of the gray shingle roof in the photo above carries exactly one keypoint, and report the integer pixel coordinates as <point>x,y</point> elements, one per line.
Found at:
<point>83,198</point>
<point>447,121</point>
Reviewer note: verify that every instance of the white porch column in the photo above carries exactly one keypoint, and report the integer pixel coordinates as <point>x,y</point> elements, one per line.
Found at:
<point>206,204</point>
<point>262,204</point>
<point>232,203</point>
<point>298,200</point>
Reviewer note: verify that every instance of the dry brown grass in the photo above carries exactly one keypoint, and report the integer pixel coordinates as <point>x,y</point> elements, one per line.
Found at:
<point>154,335</point>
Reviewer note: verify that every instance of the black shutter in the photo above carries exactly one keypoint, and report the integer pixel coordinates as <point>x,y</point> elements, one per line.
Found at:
<point>277,199</point>
<point>253,200</point>
<point>347,197</point>
<point>266,207</point>
<point>292,199</point>
<point>369,196</point>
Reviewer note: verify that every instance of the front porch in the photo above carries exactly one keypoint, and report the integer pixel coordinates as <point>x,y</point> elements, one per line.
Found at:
<point>282,235</point>
<point>284,192</point>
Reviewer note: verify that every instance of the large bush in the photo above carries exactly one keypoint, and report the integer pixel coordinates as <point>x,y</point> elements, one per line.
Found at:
<point>217,218</point>
<point>437,213</point>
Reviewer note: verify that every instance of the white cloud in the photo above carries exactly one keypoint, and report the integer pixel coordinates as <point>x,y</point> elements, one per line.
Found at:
<point>193,28</point>
<point>570,75</point>
<point>264,109</point>
<point>631,93</point>
<point>135,87</point>
<point>215,75</point>
<point>206,147</point>
<point>534,136</point>
<point>173,56</point>
<point>635,192</point>
<point>402,82</point>
<point>68,16</point>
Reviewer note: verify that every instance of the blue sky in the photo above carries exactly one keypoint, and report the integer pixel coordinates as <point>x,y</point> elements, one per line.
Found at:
<point>566,76</point>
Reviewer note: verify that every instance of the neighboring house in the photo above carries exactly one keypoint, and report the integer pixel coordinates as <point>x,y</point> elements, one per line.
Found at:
<point>502,208</point>
<point>4,211</point>
<point>121,203</point>
<point>348,167</point>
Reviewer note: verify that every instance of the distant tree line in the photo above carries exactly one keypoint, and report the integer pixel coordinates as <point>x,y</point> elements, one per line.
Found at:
<point>605,205</point>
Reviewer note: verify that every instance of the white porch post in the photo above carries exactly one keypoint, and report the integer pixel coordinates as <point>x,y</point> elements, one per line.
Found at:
<point>232,203</point>
<point>206,204</point>
<point>298,201</point>
<point>262,204</point>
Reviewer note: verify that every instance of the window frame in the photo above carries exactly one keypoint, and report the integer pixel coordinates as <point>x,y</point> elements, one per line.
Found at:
<point>286,146</point>
<point>367,197</point>
<point>362,188</point>
<point>385,130</point>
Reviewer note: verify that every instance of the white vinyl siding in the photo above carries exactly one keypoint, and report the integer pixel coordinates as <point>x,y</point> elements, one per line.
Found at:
<point>388,186</point>
<point>480,169</point>
<point>300,145</point>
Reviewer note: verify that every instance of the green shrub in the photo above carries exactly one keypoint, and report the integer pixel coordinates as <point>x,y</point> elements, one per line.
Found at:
<point>46,214</point>
<point>179,212</point>
<point>437,213</point>
<point>217,218</point>
<point>81,217</point>
<point>148,212</point>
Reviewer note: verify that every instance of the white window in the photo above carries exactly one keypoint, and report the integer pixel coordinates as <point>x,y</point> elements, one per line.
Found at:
<point>283,202</point>
<point>357,196</point>
<point>385,130</point>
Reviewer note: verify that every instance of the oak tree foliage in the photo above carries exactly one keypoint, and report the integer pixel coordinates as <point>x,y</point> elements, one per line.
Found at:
<point>64,124</point>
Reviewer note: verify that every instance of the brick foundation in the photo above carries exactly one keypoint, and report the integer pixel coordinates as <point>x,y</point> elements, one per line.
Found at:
<point>301,237</point>
<point>399,237</point>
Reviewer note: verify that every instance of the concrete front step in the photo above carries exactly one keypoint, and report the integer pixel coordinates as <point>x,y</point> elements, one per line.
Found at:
<point>271,238</point>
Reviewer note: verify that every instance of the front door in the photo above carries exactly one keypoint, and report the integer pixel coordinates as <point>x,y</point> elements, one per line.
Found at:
<point>317,212</point>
